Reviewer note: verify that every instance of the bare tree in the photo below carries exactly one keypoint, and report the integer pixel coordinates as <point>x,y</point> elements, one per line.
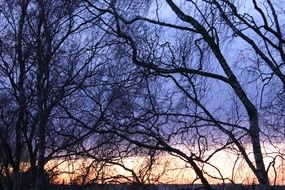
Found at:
<point>44,59</point>
<point>205,23</point>
<point>85,78</point>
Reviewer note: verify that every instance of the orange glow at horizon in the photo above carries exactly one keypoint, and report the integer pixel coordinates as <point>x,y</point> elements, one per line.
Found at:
<point>167,169</point>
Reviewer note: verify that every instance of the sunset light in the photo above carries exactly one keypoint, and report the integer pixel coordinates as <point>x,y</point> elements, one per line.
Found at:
<point>168,169</point>
<point>142,94</point>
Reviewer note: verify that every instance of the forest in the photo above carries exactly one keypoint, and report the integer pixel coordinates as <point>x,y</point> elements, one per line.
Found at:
<point>142,94</point>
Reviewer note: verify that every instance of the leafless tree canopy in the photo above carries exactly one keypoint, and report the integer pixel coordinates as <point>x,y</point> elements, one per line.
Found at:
<point>102,83</point>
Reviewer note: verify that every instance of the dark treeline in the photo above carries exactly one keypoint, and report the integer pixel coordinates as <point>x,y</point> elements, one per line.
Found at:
<point>111,79</point>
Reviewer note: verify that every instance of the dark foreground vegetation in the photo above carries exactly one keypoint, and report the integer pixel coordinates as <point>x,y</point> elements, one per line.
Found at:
<point>158,187</point>
<point>108,80</point>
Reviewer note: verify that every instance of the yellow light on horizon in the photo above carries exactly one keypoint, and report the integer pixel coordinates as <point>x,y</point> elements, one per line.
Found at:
<point>168,169</point>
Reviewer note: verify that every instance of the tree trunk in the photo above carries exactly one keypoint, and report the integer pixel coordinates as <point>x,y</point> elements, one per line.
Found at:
<point>16,180</point>
<point>18,151</point>
<point>258,157</point>
<point>199,172</point>
<point>40,181</point>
